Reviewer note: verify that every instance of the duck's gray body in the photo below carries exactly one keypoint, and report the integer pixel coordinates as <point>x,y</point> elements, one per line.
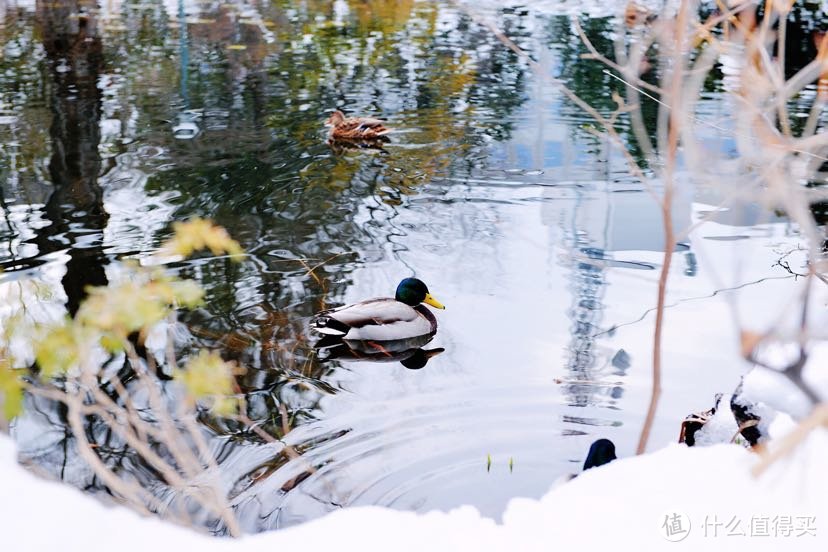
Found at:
<point>383,319</point>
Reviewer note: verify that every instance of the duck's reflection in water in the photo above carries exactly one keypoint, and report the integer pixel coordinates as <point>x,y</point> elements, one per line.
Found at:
<point>340,146</point>
<point>408,352</point>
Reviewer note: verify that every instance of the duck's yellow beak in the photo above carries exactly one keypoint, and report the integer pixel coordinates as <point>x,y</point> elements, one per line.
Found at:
<point>430,300</point>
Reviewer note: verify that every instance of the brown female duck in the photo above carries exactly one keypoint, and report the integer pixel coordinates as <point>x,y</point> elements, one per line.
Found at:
<point>354,128</point>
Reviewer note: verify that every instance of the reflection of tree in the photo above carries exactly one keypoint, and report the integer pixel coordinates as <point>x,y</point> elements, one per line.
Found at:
<point>589,78</point>
<point>75,211</point>
<point>586,260</point>
<point>804,27</point>
<point>587,286</point>
<point>75,208</point>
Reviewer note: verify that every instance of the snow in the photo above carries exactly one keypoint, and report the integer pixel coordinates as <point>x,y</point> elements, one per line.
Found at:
<point>720,428</point>
<point>777,392</point>
<point>619,505</point>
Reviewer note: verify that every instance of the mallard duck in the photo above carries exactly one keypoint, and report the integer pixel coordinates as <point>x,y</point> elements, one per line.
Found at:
<point>354,128</point>
<point>600,452</point>
<point>383,319</point>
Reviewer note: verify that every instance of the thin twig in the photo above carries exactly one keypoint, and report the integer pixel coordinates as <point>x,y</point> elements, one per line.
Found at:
<point>674,131</point>
<point>817,418</point>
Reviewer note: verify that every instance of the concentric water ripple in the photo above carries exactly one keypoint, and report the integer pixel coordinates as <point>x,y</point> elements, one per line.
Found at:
<point>426,452</point>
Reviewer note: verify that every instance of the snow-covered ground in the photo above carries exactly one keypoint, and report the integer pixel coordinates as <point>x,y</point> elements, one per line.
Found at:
<point>703,495</point>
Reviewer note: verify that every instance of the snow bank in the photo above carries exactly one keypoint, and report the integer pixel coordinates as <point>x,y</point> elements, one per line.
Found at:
<point>619,506</point>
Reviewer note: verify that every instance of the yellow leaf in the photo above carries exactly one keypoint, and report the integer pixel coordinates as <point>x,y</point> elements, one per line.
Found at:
<point>207,375</point>
<point>225,406</point>
<point>11,391</point>
<point>126,307</point>
<point>187,293</point>
<point>111,343</point>
<point>197,234</point>
<point>59,350</point>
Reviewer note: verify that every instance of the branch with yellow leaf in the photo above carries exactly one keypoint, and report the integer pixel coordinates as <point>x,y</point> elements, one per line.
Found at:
<point>153,419</point>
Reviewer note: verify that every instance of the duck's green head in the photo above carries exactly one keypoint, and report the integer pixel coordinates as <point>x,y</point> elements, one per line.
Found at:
<point>412,291</point>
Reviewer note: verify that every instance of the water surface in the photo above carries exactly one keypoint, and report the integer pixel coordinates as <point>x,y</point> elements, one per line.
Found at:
<point>527,226</point>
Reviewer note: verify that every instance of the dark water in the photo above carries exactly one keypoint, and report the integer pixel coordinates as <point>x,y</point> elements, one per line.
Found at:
<point>544,250</point>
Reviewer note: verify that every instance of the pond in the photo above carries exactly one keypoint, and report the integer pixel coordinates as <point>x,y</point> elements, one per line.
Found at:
<point>120,118</point>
